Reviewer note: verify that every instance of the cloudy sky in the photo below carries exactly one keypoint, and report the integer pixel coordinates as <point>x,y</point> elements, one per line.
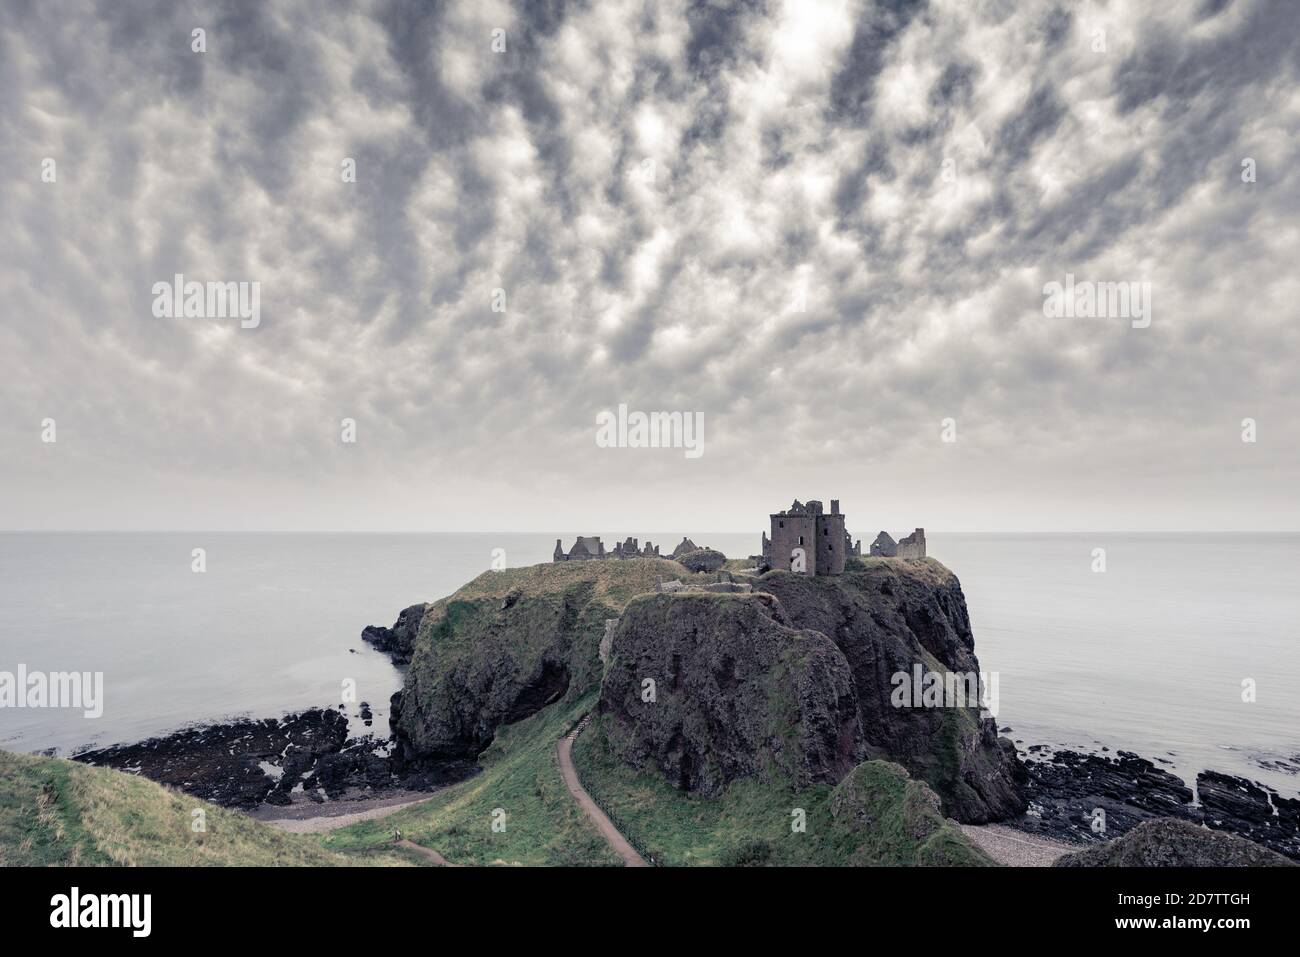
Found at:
<point>824,226</point>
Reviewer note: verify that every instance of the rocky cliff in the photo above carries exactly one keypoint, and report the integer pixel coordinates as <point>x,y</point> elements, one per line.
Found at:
<point>397,642</point>
<point>707,688</point>
<point>792,679</point>
<point>509,643</point>
<point>886,616</point>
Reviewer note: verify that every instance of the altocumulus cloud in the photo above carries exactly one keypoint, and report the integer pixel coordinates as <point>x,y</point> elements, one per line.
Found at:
<point>824,226</point>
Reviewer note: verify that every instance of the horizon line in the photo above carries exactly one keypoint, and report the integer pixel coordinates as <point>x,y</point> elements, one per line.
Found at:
<point>381,531</point>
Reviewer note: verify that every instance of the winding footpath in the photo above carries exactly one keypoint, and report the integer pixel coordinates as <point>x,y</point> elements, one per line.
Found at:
<point>426,852</point>
<point>564,754</point>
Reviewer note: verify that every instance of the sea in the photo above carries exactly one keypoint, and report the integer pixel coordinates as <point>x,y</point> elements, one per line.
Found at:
<point>1185,649</point>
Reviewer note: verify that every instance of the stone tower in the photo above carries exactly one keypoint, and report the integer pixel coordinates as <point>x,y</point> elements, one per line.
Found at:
<point>807,539</point>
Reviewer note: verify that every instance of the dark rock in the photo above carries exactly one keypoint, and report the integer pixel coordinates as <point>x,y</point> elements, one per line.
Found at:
<point>223,763</point>
<point>735,693</point>
<point>887,616</point>
<point>1168,842</point>
<point>397,642</point>
<point>1242,807</point>
<point>1065,792</point>
<point>1233,797</point>
<point>702,560</point>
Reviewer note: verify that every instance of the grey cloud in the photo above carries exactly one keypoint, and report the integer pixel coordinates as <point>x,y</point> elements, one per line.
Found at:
<point>878,26</point>
<point>478,170</point>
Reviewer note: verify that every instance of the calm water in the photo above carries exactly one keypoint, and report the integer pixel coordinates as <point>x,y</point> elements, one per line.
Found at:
<point>1148,656</point>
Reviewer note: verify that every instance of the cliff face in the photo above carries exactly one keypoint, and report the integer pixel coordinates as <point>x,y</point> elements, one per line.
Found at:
<point>397,642</point>
<point>886,616</point>
<point>708,688</point>
<point>506,645</point>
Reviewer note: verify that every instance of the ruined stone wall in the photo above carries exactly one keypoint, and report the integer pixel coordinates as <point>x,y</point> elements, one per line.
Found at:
<point>913,546</point>
<point>830,545</point>
<point>787,531</point>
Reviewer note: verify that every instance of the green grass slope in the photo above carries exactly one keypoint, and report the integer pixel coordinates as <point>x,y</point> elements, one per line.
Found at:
<point>543,824</point>
<point>56,812</point>
<point>875,816</point>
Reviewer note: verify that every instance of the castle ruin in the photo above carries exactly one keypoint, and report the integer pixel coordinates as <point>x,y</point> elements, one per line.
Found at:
<point>590,548</point>
<point>807,539</point>
<point>911,546</point>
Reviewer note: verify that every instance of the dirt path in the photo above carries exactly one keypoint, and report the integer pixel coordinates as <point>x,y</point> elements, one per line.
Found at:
<point>306,822</point>
<point>428,852</point>
<point>1015,848</point>
<point>564,754</point>
<point>322,821</point>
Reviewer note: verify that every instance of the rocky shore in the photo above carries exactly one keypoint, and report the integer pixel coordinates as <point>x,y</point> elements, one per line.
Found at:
<point>299,758</point>
<point>1066,789</point>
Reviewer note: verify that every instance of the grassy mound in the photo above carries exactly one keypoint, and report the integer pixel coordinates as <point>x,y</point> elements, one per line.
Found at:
<point>876,816</point>
<point>1167,842</point>
<point>56,812</point>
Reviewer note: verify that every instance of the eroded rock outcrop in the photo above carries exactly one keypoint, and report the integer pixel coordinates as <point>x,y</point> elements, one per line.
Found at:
<point>886,617</point>
<point>1167,842</point>
<point>506,645</point>
<point>1066,789</point>
<point>237,764</point>
<point>276,761</point>
<point>1230,803</point>
<point>702,560</point>
<point>397,642</point>
<point>707,688</point>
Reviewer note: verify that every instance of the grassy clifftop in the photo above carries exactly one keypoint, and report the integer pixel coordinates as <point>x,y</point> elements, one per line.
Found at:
<point>614,582</point>
<point>55,812</point>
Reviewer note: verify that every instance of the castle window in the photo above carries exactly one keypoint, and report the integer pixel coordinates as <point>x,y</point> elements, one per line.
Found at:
<point>780,524</point>
<point>800,539</point>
